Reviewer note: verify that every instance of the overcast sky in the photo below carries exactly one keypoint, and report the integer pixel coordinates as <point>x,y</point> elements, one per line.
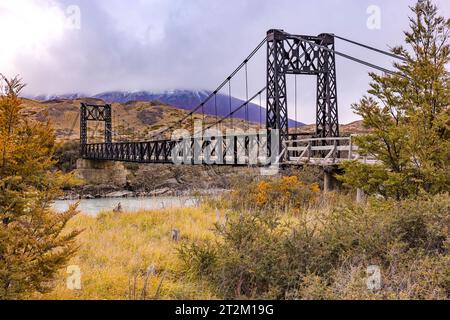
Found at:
<point>94,46</point>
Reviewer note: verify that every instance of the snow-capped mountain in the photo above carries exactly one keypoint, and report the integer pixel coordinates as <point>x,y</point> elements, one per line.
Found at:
<point>68,96</point>
<point>183,99</point>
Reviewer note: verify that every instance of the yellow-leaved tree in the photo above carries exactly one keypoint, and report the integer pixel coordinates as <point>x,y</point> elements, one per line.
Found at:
<point>33,244</point>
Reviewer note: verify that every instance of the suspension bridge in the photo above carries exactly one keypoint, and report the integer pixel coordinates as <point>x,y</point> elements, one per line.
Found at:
<point>273,143</point>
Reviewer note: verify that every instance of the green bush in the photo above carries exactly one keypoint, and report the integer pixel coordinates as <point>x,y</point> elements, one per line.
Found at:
<point>323,254</point>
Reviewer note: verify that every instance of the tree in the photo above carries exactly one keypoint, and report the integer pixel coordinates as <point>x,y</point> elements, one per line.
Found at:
<point>408,114</point>
<point>33,244</point>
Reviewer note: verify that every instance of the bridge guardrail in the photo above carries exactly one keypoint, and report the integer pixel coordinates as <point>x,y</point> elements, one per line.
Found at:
<point>323,151</point>
<point>237,149</point>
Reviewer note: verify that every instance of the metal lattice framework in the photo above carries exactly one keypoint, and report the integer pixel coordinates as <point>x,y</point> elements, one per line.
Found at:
<point>299,54</point>
<point>92,112</point>
<point>287,54</point>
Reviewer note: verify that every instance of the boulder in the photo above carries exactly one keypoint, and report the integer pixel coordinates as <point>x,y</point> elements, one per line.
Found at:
<point>159,192</point>
<point>119,194</point>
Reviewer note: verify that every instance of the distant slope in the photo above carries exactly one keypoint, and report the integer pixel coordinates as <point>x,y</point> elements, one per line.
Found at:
<point>355,127</point>
<point>183,99</point>
<point>133,120</point>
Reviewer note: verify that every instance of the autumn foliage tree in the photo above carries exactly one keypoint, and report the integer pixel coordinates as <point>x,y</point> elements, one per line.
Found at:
<point>33,245</point>
<point>408,114</point>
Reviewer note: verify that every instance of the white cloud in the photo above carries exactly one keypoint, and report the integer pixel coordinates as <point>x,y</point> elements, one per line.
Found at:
<point>28,27</point>
<point>161,44</point>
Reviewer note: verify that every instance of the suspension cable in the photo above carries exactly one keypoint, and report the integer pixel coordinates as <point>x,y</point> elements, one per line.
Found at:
<point>260,111</point>
<point>295,84</point>
<point>244,64</point>
<point>94,133</point>
<point>229,99</point>
<point>219,87</point>
<point>129,130</point>
<point>371,65</point>
<point>371,48</point>
<point>123,129</point>
<point>74,123</point>
<point>112,132</point>
<point>246,96</point>
<point>234,111</point>
<point>215,105</point>
<point>203,112</point>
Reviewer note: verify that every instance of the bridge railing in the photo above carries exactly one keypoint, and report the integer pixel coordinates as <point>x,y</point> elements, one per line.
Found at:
<point>158,151</point>
<point>238,149</point>
<point>230,149</point>
<point>323,151</point>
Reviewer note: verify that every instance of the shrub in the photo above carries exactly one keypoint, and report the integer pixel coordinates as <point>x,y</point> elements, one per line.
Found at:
<point>66,155</point>
<point>273,194</point>
<point>199,257</point>
<point>323,255</point>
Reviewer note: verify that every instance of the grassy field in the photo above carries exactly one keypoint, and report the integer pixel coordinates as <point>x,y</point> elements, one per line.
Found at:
<point>116,250</point>
<point>317,248</point>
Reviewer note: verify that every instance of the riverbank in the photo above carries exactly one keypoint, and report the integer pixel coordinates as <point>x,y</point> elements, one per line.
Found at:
<point>185,253</point>
<point>108,191</point>
<point>147,180</point>
<point>96,206</point>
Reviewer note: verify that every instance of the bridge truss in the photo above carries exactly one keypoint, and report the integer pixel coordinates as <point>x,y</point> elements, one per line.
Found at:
<point>287,54</point>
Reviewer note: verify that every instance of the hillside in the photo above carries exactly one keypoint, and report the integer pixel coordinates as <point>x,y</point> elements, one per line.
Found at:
<point>355,127</point>
<point>132,120</point>
<point>135,119</point>
<point>182,99</point>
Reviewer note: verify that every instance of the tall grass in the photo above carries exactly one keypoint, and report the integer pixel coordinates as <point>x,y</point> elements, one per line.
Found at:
<point>314,249</point>
<point>116,251</point>
<point>248,245</point>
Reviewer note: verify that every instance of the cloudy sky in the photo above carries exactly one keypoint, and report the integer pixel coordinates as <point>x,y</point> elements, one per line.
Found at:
<point>92,46</point>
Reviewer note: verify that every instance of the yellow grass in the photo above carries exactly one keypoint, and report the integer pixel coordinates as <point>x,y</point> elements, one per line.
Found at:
<point>115,246</point>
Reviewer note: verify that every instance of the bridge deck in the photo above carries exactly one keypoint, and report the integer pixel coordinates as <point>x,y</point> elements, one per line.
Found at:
<point>250,149</point>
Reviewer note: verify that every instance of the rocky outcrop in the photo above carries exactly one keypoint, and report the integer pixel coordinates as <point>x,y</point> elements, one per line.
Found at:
<point>120,194</point>
<point>117,179</point>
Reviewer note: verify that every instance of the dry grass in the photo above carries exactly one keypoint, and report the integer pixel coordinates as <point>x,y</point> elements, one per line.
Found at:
<point>321,252</point>
<point>116,247</point>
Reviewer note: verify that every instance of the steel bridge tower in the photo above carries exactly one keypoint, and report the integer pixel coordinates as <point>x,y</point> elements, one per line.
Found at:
<point>92,112</point>
<point>307,55</point>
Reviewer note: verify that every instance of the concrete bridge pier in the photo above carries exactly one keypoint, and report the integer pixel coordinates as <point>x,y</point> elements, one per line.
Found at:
<point>360,195</point>
<point>330,183</point>
<point>101,172</point>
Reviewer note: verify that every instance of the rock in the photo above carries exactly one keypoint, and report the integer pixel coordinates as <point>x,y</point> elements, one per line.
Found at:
<point>119,194</point>
<point>171,181</point>
<point>118,208</point>
<point>175,234</point>
<point>88,196</point>
<point>159,192</point>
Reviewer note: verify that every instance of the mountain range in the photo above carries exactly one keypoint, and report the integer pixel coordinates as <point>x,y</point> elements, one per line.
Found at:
<point>183,99</point>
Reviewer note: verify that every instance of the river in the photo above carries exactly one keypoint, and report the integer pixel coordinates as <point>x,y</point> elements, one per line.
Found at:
<point>94,206</point>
